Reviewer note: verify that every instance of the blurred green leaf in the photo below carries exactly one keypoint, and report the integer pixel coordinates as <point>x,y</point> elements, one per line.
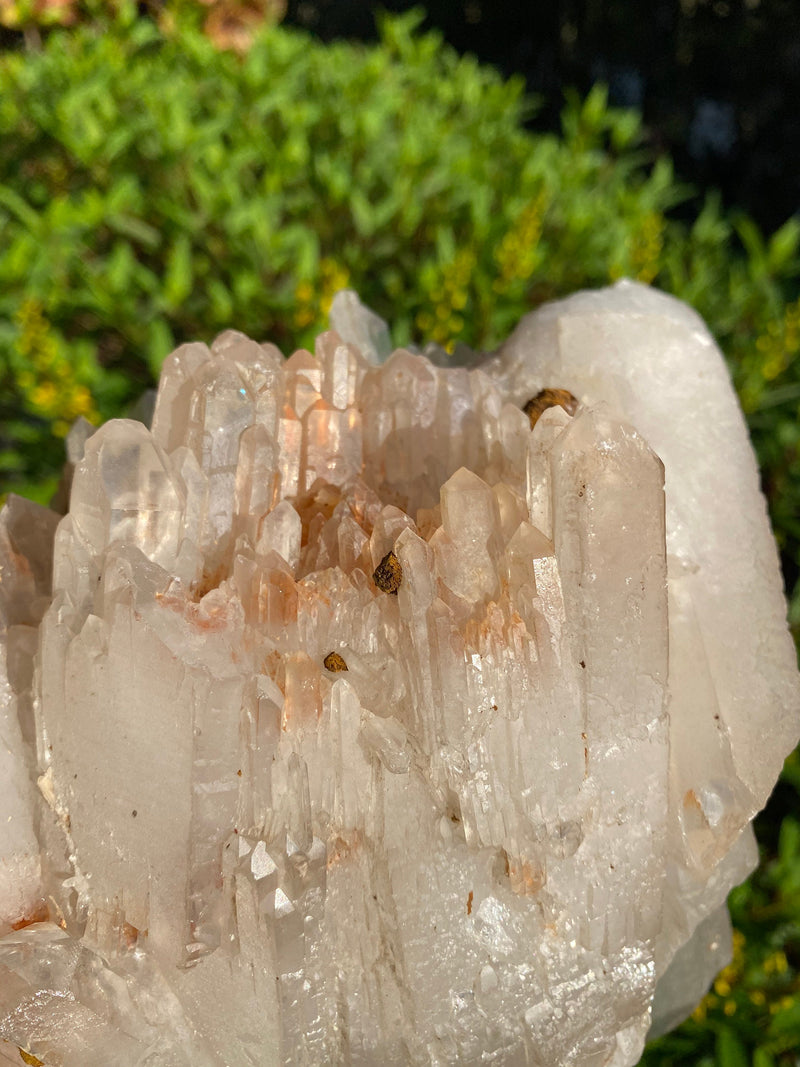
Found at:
<point>786,1022</point>
<point>178,275</point>
<point>16,204</point>
<point>730,1050</point>
<point>783,246</point>
<point>761,1058</point>
<point>160,343</point>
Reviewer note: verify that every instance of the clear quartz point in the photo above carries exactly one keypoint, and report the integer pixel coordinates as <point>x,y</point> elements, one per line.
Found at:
<point>269,803</point>
<point>361,327</point>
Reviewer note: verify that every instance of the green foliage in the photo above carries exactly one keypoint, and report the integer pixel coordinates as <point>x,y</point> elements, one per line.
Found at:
<point>155,190</point>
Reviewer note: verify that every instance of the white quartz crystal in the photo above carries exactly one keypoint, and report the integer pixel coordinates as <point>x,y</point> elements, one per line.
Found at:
<point>505,832</point>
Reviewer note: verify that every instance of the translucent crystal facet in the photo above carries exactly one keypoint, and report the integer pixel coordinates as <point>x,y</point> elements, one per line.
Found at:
<point>363,722</point>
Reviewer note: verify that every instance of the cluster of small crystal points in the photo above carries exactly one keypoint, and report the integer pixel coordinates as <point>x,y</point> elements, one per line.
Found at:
<point>372,725</point>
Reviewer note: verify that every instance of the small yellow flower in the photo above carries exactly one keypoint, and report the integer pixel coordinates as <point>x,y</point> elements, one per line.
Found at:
<point>708,1002</point>
<point>776,963</point>
<point>448,294</point>
<point>517,254</point>
<point>335,276</point>
<point>48,382</point>
<point>779,344</point>
<point>304,292</point>
<point>646,246</point>
<point>303,317</point>
<point>42,396</point>
<point>700,1012</point>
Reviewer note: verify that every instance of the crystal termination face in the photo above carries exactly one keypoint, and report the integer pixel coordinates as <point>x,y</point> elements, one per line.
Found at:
<point>347,718</point>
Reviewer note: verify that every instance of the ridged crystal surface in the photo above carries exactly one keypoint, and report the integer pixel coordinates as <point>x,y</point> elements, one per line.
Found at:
<point>372,726</point>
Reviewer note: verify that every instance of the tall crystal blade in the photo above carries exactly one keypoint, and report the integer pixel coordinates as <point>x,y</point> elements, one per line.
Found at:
<point>651,359</point>
<point>609,541</point>
<point>26,537</point>
<point>175,390</point>
<point>125,490</point>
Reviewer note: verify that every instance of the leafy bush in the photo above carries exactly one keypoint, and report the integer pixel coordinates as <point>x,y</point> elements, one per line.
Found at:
<point>154,190</point>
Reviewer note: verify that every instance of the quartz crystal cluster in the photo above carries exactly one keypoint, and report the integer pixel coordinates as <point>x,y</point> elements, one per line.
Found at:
<point>357,714</point>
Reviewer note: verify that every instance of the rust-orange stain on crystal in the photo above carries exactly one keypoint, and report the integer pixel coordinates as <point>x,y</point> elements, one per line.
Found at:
<point>39,914</point>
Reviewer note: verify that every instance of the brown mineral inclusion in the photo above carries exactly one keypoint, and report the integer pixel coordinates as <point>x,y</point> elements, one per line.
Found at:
<point>388,574</point>
<point>334,662</point>
<point>549,398</point>
<point>29,1058</point>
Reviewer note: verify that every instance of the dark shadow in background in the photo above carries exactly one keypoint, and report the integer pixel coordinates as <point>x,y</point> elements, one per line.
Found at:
<point>718,80</point>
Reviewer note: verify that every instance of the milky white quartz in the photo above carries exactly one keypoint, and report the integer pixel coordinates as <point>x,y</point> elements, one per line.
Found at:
<point>505,833</point>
